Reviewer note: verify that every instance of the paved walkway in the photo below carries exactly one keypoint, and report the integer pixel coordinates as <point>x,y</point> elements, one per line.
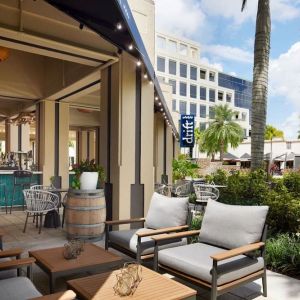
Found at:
<point>279,287</point>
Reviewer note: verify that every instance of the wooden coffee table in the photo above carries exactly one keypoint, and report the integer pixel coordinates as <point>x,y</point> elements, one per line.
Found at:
<point>153,286</point>
<point>93,258</point>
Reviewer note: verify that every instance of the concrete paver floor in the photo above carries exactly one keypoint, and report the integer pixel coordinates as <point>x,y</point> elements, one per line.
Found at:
<point>280,287</point>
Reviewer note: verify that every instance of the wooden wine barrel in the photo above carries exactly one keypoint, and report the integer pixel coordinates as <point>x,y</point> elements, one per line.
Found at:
<point>85,214</point>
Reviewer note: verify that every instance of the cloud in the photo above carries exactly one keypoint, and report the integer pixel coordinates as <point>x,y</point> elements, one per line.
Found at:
<point>207,62</point>
<point>285,76</point>
<point>179,17</point>
<point>291,125</point>
<point>281,10</point>
<point>229,53</point>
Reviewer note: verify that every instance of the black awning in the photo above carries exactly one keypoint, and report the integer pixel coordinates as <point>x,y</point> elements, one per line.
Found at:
<point>103,18</point>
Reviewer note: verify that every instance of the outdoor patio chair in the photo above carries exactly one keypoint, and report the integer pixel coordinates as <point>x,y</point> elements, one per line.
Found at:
<point>38,203</point>
<point>205,192</point>
<point>165,215</point>
<point>183,190</point>
<point>230,251</point>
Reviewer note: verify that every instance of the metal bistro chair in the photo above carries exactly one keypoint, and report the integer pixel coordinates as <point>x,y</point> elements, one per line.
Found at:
<point>161,188</point>
<point>22,179</point>
<point>3,189</point>
<point>39,203</point>
<point>205,192</point>
<point>183,190</point>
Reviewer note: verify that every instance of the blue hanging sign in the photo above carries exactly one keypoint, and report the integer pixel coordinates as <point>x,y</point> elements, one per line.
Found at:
<point>187,131</point>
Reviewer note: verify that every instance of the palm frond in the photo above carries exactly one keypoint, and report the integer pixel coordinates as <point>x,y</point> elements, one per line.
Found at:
<point>243,4</point>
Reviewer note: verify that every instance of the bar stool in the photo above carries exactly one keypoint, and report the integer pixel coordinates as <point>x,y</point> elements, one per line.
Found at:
<point>3,189</point>
<point>22,179</point>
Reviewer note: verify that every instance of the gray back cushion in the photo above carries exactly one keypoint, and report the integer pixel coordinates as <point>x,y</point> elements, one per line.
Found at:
<point>232,226</point>
<point>166,212</point>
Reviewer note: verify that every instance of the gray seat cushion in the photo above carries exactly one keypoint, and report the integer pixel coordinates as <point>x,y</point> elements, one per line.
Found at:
<point>232,226</point>
<point>128,240</point>
<point>18,288</point>
<point>166,211</point>
<point>7,273</point>
<point>194,260</point>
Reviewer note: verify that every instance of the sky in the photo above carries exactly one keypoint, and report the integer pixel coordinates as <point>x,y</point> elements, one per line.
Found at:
<point>226,36</point>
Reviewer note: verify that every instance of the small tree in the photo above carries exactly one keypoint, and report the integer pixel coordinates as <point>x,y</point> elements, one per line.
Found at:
<point>223,131</point>
<point>183,167</point>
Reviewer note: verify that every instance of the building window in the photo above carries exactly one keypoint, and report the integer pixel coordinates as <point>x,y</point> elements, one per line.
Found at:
<point>161,42</point>
<point>212,76</point>
<point>202,74</point>
<point>173,105</point>
<point>182,107</point>
<point>193,73</point>
<point>193,91</point>
<point>173,84</point>
<point>244,116</point>
<point>161,64</point>
<point>202,126</point>
<point>182,89</point>
<point>202,111</point>
<point>228,97</point>
<point>220,96</point>
<point>193,109</point>
<point>211,112</point>
<point>172,46</point>
<point>245,133</point>
<point>194,53</point>
<point>183,49</point>
<point>202,93</point>
<point>237,116</point>
<point>212,95</point>
<point>172,67</point>
<point>183,70</point>
<point>289,145</point>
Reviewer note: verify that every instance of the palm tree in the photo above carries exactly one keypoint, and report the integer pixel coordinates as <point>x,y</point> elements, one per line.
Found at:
<point>270,133</point>
<point>222,131</point>
<point>260,81</point>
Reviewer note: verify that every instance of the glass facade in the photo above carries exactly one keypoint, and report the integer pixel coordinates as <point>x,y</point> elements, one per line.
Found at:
<point>242,88</point>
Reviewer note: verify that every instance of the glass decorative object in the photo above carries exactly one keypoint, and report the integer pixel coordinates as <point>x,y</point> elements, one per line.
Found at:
<point>73,249</point>
<point>128,279</point>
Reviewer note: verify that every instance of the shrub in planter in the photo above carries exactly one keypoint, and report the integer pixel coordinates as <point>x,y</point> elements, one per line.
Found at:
<point>291,181</point>
<point>283,254</point>
<point>183,167</point>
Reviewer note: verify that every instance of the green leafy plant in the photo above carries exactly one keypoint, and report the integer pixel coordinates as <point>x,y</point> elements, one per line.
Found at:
<point>87,166</point>
<point>291,181</point>
<point>183,167</point>
<point>283,254</point>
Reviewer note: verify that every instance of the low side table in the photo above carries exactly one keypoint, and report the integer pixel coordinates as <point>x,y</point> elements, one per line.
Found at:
<point>153,286</point>
<point>93,258</point>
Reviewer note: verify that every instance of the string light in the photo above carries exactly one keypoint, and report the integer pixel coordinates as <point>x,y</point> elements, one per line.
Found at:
<point>159,103</point>
<point>156,98</point>
<point>145,75</point>
<point>119,26</point>
<point>161,109</point>
<point>151,82</point>
<point>138,63</point>
<point>130,47</point>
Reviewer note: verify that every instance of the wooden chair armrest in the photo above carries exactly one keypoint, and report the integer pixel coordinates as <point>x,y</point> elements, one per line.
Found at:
<point>16,263</point>
<point>161,230</point>
<point>67,295</point>
<point>129,221</point>
<point>11,252</point>
<point>177,235</point>
<point>237,251</point>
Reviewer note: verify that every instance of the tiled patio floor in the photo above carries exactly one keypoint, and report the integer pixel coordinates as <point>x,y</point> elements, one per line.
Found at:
<point>279,287</point>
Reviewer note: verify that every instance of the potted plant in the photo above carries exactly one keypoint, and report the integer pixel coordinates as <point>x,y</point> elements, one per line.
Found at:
<point>87,175</point>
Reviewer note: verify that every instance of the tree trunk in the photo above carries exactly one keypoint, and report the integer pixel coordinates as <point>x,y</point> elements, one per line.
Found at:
<point>222,151</point>
<point>260,83</point>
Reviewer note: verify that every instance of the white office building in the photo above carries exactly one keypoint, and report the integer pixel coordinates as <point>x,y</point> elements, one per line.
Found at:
<point>197,87</point>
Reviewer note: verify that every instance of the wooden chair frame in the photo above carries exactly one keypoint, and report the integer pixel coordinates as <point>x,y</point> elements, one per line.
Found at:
<point>213,287</point>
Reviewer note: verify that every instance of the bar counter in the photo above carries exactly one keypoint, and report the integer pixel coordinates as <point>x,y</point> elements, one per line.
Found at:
<point>7,178</point>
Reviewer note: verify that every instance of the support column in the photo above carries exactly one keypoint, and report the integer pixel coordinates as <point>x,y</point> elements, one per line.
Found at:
<point>159,147</point>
